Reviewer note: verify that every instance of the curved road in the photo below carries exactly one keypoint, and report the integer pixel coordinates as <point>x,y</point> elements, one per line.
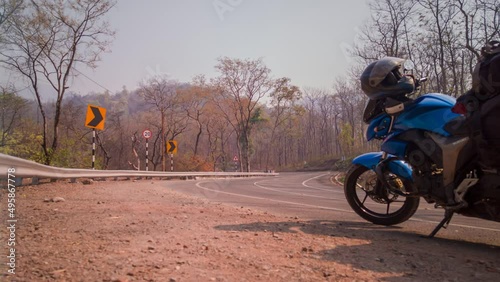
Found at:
<point>313,196</point>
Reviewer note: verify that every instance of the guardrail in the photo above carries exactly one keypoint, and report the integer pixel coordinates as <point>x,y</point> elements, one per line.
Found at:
<point>35,171</point>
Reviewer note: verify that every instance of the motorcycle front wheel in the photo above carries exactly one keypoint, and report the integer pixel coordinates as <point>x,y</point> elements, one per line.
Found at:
<point>383,207</point>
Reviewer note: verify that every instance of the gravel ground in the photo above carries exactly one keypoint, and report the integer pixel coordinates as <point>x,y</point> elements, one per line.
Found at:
<point>141,231</point>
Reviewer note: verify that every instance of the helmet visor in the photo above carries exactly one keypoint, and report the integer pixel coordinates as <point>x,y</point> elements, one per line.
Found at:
<point>382,68</point>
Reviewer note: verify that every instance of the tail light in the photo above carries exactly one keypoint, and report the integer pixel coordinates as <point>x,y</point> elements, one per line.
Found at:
<point>459,108</point>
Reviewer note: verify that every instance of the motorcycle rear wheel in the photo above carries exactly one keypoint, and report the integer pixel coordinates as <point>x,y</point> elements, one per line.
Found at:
<point>360,194</point>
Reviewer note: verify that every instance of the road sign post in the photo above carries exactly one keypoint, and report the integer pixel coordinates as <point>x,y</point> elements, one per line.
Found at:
<point>172,149</point>
<point>171,162</point>
<point>95,119</point>
<point>147,164</point>
<point>235,160</point>
<point>93,148</point>
<point>147,134</point>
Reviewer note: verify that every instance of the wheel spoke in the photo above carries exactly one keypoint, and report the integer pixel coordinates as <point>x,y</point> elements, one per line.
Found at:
<point>388,206</point>
<point>366,197</point>
<point>399,201</point>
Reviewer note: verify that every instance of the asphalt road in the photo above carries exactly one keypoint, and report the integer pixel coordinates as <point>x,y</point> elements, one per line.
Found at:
<point>313,196</point>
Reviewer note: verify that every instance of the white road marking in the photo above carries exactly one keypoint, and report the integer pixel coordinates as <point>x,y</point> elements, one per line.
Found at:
<point>290,193</point>
<point>303,184</point>
<point>198,184</point>
<point>267,199</point>
<point>318,176</point>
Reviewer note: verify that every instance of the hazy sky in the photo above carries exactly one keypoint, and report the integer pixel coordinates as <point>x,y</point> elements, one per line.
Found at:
<point>303,40</point>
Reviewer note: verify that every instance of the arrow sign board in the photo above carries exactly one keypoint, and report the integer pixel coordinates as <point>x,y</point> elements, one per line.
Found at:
<point>147,134</point>
<point>172,146</point>
<point>95,117</point>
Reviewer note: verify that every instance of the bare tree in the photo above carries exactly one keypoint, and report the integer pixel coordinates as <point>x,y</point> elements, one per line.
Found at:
<point>165,96</point>
<point>312,128</point>
<point>11,107</point>
<point>45,43</point>
<point>241,86</point>
<point>8,8</point>
<point>194,101</point>
<point>351,101</point>
<point>385,34</point>
<point>480,23</point>
<point>438,22</point>
<point>160,92</point>
<point>283,100</point>
<point>218,135</point>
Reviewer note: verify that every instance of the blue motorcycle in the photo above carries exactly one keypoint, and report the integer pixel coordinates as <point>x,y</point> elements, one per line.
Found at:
<point>425,153</point>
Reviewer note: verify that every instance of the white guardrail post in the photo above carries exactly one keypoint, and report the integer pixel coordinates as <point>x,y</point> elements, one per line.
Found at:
<point>36,171</point>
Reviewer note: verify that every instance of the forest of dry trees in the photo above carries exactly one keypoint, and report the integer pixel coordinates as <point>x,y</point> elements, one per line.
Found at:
<point>265,122</point>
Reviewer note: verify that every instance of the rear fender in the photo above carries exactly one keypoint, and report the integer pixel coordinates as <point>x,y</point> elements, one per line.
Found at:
<point>371,160</point>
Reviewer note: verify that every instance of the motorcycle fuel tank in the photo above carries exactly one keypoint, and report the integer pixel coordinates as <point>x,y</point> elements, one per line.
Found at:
<point>430,112</point>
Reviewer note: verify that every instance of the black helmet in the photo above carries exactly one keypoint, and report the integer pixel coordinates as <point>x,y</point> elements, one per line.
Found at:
<point>384,78</point>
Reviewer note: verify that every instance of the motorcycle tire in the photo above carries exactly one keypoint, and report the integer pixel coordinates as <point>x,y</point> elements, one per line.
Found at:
<point>407,208</point>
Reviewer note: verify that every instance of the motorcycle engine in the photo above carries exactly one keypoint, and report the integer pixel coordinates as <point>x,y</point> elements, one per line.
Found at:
<point>427,176</point>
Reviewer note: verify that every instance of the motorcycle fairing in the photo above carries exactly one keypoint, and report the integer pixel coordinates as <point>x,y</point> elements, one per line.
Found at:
<point>451,147</point>
<point>394,146</point>
<point>371,160</point>
<point>430,112</point>
<point>378,128</point>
